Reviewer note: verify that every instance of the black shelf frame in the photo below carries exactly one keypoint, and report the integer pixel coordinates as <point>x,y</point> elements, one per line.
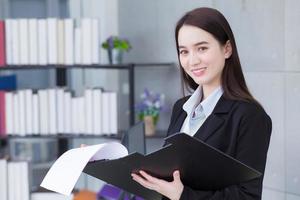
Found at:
<point>118,136</point>
<point>80,66</point>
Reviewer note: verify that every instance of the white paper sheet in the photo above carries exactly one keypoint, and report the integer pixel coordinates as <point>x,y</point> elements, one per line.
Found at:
<point>66,170</point>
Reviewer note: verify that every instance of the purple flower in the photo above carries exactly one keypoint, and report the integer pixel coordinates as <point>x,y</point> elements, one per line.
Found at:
<point>147,93</point>
<point>110,42</point>
<point>151,104</point>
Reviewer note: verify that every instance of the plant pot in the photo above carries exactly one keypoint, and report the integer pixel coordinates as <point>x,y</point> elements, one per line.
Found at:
<point>149,126</point>
<point>115,56</point>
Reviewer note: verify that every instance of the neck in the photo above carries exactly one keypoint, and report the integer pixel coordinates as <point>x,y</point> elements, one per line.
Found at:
<point>208,89</point>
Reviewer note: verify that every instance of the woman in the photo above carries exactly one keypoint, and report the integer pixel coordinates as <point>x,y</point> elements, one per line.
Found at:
<point>221,111</point>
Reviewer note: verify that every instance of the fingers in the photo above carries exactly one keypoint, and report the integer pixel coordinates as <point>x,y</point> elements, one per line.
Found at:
<point>172,189</point>
<point>149,177</point>
<point>176,176</point>
<point>144,182</point>
<point>83,145</point>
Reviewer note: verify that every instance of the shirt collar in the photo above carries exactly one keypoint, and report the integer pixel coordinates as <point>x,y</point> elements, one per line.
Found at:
<point>193,101</point>
<point>207,105</point>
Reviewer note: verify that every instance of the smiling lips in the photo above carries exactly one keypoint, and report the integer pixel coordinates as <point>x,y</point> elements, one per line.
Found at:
<point>199,71</point>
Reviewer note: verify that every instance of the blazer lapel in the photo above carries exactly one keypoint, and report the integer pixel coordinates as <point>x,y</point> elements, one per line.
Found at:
<point>211,124</point>
<point>180,116</point>
<point>215,120</point>
<point>179,121</point>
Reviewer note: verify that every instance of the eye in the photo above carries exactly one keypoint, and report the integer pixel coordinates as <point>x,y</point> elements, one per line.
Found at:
<point>183,52</point>
<point>201,49</point>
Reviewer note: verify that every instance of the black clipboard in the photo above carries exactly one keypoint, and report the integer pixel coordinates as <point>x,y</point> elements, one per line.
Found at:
<point>201,167</point>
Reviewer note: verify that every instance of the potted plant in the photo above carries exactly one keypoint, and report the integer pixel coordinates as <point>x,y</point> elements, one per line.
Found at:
<point>149,108</point>
<point>116,47</point>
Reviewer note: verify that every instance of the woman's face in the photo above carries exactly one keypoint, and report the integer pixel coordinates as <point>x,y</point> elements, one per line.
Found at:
<point>201,55</point>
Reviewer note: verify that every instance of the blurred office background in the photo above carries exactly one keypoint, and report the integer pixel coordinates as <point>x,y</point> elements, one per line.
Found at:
<point>266,34</point>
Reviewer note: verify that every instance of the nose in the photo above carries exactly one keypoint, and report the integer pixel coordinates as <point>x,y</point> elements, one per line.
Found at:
<point>194,59</point>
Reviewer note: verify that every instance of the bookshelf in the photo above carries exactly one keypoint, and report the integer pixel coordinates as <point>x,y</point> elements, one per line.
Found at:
<point>62,141</point>
<point>58,75</point>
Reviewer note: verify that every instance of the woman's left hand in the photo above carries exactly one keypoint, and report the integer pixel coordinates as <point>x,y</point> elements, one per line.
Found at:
<point>172,189</point>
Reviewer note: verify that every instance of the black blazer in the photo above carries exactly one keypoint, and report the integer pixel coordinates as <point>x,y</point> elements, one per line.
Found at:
<point>239,129</point>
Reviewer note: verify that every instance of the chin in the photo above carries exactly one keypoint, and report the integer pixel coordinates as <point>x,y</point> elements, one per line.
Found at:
<point>200,82</point>
<point>204,80</point>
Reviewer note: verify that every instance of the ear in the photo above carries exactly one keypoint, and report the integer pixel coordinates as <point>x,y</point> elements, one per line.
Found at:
<point>227,49</point>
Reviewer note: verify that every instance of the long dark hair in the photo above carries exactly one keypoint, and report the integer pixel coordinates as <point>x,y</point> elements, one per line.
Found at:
<point>212,21</point>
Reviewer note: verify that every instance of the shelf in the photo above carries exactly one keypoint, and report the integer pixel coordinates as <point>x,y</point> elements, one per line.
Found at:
<point>47,67</point>
<point>93,66</point>
<point>158,134</point>
<point>65,136</point>
<point>170,64</point>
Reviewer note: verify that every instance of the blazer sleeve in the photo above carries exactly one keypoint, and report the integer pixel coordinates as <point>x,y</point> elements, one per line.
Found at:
<point>252,145</point>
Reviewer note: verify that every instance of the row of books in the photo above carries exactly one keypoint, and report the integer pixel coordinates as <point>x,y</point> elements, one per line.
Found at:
<point>49,41</point>
<point>53,111</point>
<point>14,181</point>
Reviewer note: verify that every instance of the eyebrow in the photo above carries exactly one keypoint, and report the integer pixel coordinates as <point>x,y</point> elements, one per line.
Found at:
<point>197,44</point>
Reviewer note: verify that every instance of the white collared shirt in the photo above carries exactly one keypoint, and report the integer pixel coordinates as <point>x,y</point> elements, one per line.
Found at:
<point>197,112</point>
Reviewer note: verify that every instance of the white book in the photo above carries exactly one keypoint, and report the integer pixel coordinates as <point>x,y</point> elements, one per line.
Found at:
<point>68,112</point>
<point>43,112</point>
<point>52,105</point>
<point>81,115</point>
<point>3,129</point>
<point>106,112</point>
<point>35,114</point>
<point>77,111</point>
<point>69,41</point>
<point>9,112</point>
<point>77,49</point>
<point>86,41</point>
<point>61,41</point>
<point>24,180</point>
<point>33,41</point>
<point>12,180</point>
<point>3,180</point>
<point>24,41</point>
<point>42,42</point>
<point>28,111</point>
<point>97,111</point>
<point>8,41</point>
<point>16,116</point>
<point>60,111</point>
<point>15,42</point>
<point>74,129</point>
<point>52,41</point>
<point>88,102</point>
<point>95,42</point>
<point>113,113</point>
<point>17,179</point>
<point>22,111</point>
